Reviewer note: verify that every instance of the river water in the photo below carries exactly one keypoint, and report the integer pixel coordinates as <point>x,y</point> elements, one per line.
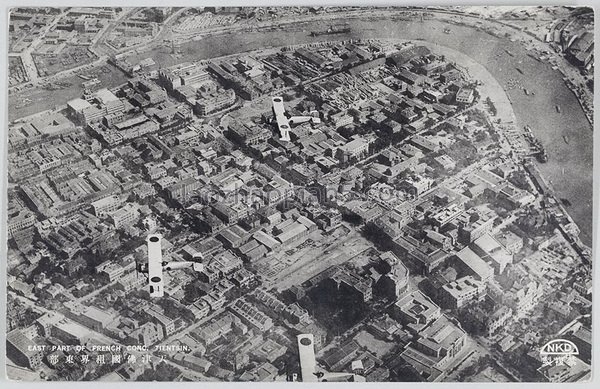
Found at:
<point>569,168</point>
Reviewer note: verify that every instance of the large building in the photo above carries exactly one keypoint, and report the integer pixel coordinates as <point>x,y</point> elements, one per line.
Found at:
<point>465,96</point>
<point>581,51</point>
<point>216,101</point>
<point>524,296</point>
<point>125,216</point>
<point>349,282</point>
<point>355,149</point>
<point>167,324</point>
<point>84,112</point>
<point>469,263</point>
<point>212,331</point>
<point>491,251</point>
<point>106,104</point>
<point>182,74</point>
<point>106,205</point>
<point>249,313</point>
<point>111,103</point>
<point>247,135</point>
<point>21,350</point>
<point>463,291</point>
<point>312,57</point>
<point>19,222</point>
<point>395,282</point>
<point>436,347</point>
<point>147,334</point>
<point>498,320</point>
<point>416,310</point>
<point>182,190</point>
<point>90,316</point>
<point>472,226</point>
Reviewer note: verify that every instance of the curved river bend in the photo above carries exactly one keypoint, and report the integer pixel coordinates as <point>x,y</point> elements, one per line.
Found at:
<point>567,136</point>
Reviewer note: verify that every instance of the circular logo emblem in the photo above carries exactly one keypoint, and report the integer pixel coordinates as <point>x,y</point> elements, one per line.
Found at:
<point>559,352</point>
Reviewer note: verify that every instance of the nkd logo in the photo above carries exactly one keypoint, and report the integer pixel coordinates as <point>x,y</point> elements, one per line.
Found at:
<point>559,352</point>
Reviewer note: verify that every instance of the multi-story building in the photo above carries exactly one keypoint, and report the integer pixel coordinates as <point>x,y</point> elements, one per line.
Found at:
<point>45,322</point>
<point>511,241</point>
<point>22,350</point>
<point>213,102</point>
<point>112,270</point>
<point>81,24</point>
<point>215,300</point>
<point>181,190</point>
<point>447,215</point>
<point>87,113</point>
<point>109,102</point>
<point>450,75</point>
<point>395,282</point>
<point>524,296</point>
<point>296,314</point>
<point>301,174</point>
<point>472,226</point>
<point>492,252</point>
<point>252,315</point>
<point>498,320</point>
<point>341,119</point>
<point>182,74</point>
<point>84,112</point>
<point>106,205</point>
<point>130,282</point>
<point>469,263</point>
<point>89,316</point>
<point>217,328</point>
<point>200,309</point>
<point>464,290</point>
<point>437,345</point>
<point>465,96</point>
<point>167,324</point>
<point>125,216</point>
<point>416,186</point>
<point>247,135</point>
<point>70,332</point>
<point>416,310</point>
<point>231,213</point>
<point>148,334</point>
<point>20,221</point>
<point>357,148</point>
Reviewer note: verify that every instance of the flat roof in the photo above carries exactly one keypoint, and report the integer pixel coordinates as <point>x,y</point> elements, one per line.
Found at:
<point>98,315</point>
<point>474,262</point>
<point>105,95</point>
<point>21,342</point>
<point>78,104</point>
<point>104,201</point>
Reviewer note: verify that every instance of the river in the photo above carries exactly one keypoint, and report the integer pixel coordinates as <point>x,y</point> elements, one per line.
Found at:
<point>569,168</point>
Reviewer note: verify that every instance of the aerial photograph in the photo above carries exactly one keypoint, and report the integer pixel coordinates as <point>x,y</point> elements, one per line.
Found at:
<point>312,194</point>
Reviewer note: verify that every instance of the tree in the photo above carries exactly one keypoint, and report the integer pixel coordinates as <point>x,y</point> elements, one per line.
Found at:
<point>162,372</point>
<point>155,15</point>
<point>192,292</point>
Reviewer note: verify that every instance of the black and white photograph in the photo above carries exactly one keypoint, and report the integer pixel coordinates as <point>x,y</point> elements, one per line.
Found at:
<point>343,193</point>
